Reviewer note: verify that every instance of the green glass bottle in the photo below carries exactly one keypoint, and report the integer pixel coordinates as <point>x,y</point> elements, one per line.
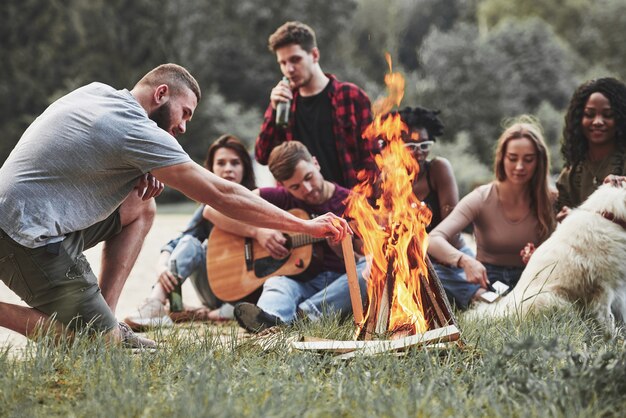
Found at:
<point>176,295</point>
<point>282,109</point>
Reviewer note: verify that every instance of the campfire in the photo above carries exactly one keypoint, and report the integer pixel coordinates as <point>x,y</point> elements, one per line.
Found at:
<point>406,302</point>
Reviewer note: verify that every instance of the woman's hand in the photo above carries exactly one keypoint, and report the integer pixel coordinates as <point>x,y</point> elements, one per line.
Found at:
<point>615,180</point>
<point>565,210</point>
<point>527,251</point>
<point>167,280</point>
<point>474,270</point>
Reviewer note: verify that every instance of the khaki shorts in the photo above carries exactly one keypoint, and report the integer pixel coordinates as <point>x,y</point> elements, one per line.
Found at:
<point>57,279</point>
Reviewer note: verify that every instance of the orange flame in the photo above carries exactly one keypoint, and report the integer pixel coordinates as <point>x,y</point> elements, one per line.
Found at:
<point>394,229</point>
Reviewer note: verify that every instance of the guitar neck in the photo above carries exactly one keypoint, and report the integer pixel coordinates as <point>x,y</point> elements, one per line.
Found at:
<point>301,240</point>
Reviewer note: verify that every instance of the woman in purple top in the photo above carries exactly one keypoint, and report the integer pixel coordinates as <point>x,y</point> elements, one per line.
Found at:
<point>507,214</point>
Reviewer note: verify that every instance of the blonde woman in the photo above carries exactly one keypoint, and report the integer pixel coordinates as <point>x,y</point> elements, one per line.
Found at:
<point>507,214</point>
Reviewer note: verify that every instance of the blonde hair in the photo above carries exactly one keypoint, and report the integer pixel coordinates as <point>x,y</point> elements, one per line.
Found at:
<point>526,126</point>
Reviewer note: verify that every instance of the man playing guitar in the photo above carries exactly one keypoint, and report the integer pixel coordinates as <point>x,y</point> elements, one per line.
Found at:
<point>283,298</point>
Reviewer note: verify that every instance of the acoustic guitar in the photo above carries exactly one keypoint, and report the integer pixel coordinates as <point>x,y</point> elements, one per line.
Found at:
<point>237,266</point>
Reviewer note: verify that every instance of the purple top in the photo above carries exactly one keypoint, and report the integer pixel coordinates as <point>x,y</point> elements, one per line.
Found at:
<point>279,196</point>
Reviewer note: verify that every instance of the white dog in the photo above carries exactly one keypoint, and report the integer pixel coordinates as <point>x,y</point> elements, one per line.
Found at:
<point>583,263</point>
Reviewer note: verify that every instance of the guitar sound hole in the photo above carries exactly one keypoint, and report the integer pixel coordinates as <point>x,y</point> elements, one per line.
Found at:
<point>288,243</point>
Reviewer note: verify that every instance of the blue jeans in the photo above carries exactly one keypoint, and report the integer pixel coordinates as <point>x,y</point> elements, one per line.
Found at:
<point>328,292</point>
<point>190,256</point>
<point>460,292</point>
<point>458,289</point>
<point>509,275</point>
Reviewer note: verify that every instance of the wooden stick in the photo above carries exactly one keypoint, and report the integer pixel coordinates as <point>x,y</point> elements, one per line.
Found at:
<point>445,334</point>
<point>353,279</point>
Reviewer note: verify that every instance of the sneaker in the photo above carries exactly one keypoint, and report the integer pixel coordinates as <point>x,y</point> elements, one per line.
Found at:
<point>132,340</point>
<point>150,315</point>
<point>254,319</point>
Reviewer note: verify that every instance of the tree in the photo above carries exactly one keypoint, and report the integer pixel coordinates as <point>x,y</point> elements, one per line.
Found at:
<point>34,62</point>
<point>478,80</point>
<point>565,16</point>
<point>599,39</point>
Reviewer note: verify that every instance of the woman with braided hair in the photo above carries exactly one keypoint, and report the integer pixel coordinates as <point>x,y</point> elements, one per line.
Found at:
<point>594,141</point>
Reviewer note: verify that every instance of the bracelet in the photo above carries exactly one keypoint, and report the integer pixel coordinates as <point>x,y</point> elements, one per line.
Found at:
<point>458,262</point>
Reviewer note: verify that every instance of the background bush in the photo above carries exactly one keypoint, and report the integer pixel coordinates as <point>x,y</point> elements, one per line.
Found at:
<point>478,61</point>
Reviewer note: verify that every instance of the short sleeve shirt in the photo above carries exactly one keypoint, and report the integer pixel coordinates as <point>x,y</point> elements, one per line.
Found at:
<point>77,162</point>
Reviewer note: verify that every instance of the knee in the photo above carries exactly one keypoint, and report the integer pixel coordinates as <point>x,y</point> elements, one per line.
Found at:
<point>146,214</point>
<point>135,210</point>
<point>148,211</point>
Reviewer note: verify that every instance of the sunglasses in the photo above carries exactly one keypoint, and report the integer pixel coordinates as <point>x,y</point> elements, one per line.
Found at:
<point>419,146</point>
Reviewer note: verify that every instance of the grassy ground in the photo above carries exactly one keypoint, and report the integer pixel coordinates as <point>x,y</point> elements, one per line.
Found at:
<point>555,365</point>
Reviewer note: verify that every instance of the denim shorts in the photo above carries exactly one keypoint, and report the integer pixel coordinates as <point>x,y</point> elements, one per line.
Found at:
<point>57,279</point>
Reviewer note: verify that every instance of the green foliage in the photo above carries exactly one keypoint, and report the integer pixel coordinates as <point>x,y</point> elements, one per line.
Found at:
<point>552,123</point>
<point>469,171</point>
<point>478,61</point>
<point>599,38</point>
<point>480,80</point>
<point>565,16</point>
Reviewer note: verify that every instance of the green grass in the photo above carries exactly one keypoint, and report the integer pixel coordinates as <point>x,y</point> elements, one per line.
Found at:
<point>552,365</point>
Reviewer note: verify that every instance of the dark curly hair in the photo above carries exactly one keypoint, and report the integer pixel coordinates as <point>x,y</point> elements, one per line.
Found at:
<point>574,145</point>
<point>420,117</point>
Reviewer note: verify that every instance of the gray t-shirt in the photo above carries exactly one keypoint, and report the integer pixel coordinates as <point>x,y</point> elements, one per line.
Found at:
<point>77,162</point>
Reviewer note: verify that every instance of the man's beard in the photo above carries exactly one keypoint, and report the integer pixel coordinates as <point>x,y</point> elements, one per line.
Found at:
<point>162,116</point>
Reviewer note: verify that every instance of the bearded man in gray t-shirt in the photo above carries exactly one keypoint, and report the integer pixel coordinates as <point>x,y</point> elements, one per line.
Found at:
<point>86,171</point>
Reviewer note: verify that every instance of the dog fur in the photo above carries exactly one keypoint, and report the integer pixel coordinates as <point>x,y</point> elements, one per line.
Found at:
<point>582,263</point>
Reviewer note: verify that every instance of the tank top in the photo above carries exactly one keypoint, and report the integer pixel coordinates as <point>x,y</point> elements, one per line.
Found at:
<point>431,200</point>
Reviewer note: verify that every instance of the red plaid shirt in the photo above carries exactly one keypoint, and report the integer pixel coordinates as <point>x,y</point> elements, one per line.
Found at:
<point>351,115</point>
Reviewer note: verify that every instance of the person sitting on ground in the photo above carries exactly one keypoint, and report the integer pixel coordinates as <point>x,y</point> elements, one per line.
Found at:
<point>327,115</point>
<point>594,141</point>
<point>284,298</point>
<point>85,171</point>
<point>226,157</point>
<point>507,214</point>
<point>435,184</point>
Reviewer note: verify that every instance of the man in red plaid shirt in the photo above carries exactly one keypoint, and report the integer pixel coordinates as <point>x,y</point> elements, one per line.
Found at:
<point>326,115</point>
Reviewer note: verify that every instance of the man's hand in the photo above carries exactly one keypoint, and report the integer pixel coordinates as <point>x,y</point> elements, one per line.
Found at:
<point>167,280</point>
<point>328,226</point>
<point>148,187</point>
<point>280,93</point>
<point>273,241</point>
